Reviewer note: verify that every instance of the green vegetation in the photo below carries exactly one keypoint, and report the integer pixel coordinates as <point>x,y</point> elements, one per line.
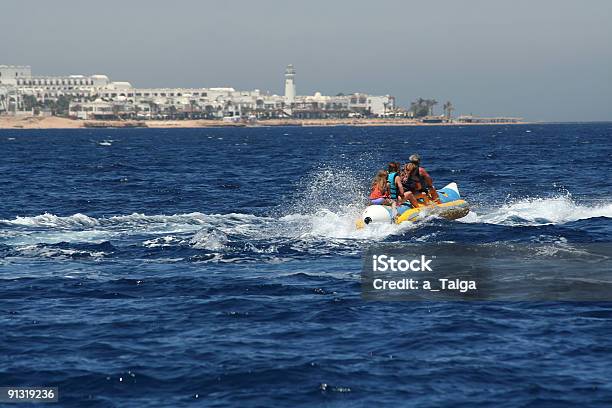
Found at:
<point>423,107</point>
<point>62,104</point>
<point>448,109</point>
<point>30,102</point>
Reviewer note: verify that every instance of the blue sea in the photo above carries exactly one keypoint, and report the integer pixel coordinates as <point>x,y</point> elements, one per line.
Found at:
<point>221,267</point>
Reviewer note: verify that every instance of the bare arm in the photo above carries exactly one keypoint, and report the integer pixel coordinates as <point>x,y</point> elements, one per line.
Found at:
<point>426,177</point>
<point>400,186</point>
<point>432,190</point>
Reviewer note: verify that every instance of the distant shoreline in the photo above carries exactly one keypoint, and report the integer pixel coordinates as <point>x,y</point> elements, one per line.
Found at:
<point>54,122</point>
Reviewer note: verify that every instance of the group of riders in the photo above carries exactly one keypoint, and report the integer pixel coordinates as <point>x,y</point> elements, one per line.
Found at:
<point>400,184</point>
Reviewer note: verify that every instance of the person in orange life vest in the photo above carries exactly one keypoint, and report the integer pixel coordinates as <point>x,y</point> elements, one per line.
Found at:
<point>380,189</point>
<point>415,179</point>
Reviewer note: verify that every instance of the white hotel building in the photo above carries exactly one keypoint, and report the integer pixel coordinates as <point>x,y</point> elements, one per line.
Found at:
<point>98,96</point>
<point>47,86</point>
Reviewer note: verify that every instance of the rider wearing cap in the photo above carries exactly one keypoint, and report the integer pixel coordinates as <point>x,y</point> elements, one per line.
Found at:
<point>415,179</point>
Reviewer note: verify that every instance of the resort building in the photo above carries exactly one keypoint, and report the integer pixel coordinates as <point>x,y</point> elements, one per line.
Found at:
<point>96,96</point>
<point>20,77</point>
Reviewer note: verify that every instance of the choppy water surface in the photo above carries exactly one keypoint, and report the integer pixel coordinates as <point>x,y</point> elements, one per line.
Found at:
<point>221,266</point>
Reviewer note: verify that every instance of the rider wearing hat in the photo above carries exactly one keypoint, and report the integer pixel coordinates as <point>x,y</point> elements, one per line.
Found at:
<point>415,179</point>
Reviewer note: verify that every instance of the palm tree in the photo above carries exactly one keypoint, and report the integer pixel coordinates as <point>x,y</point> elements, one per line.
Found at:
<point>153,108</point>
<point>116,111</point>
<point>448,109</point>
<point>62,104</point>
<point>172,109</point>
<point>431,103</point>
<point>209,109</point>
<point>226,109</point>
<point>50,105</point>
<point>413,108</point>
<point>136,109</point>
<point>421,107</point>
<point>29,102</point>
<point>192,107</point>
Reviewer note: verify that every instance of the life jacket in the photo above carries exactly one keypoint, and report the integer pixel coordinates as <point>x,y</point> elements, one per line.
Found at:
<point>392,185</point>
<point>410,183</point>
<point>376,193</point>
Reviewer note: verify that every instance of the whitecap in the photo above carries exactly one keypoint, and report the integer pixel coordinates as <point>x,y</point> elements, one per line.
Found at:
<point>539,211</point>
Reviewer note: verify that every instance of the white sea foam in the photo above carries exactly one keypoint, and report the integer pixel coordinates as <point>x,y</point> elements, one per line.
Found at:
<point>162,242</point>
<point>322,223</point>
<point>327,204</point>
<point>337,225</point>
<point>210,239</point>
<point>53,221</point>
<point>314,225</point>
<point>539,211</point>
<point>36,251</point>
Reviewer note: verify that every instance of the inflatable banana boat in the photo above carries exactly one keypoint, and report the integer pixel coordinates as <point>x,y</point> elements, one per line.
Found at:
<point>452,207</point>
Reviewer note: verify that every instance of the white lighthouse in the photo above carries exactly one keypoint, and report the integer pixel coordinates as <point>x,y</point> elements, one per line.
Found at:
<point>289,84</point>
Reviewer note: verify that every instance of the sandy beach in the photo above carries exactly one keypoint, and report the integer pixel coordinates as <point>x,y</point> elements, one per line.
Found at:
<point>54,122</point>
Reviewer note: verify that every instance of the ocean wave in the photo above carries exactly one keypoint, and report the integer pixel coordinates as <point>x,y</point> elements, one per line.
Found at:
<point>60,252</point>
<point>81,221</point>
<point>47,220</point>
<point>214,231</point>
<point>210,239</point>
<point>193,237</point>
<point>539,211</point>
<point>239,237</point>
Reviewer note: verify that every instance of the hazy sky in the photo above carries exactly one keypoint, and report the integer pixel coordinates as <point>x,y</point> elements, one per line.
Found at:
<point>538,59</point>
